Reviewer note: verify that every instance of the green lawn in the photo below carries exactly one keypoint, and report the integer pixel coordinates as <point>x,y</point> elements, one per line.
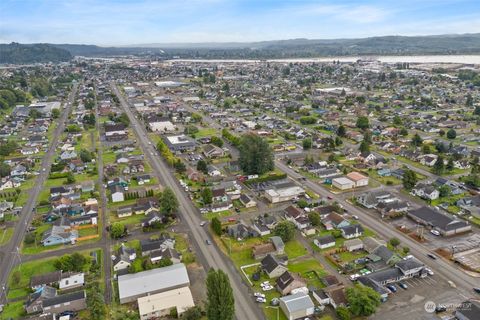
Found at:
<point>27,270</point>
<point>221,214</point>
<point>13,310</point>
<point>306,269</point>
<point>206,132</point>
<point>294,249</point>
<point>6,235</point>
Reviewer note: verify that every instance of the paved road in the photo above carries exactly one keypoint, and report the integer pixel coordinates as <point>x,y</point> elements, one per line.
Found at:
<point>10,259</point>
<point>245,307</point>
<point>442,267</point>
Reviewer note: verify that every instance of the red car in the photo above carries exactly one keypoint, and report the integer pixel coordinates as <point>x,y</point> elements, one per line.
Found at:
<point>329,197</point>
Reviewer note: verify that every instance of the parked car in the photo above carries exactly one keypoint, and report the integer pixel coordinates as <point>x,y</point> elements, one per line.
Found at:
<point>208,242</point>
<point>261,300</point>
<point>392,288</point>
<point>429,271</point>
<point>203,223</point>
<point>432,256</point>
<point>259,295</point>
<point>477,290</point>
<point>355,217</point>
<point>440,308</point>
<point>403,285</point>
<point>435,232</point>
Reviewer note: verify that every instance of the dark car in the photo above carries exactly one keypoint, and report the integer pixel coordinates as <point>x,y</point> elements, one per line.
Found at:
<point>477,290</point>
<point>403,285</point>
<point>440,308</point>
<point>432,256</point>
<point>392,288</point>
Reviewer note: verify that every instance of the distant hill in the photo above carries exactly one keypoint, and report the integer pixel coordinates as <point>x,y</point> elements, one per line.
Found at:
<point>293,48</point>
<point>17,53</point>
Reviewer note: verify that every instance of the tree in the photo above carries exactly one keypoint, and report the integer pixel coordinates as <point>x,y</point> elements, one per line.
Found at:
<point>220,303</point>
<point>34,114</point>
<point>343,313</point>
<point>363,123</point>
<point>168,202</point>
<point>4,170</point>
<point>338,141</point>
<point>117,230</point>
<point>307,143</point>
<point>450,165</point>
<point>314,218</point>
<point>341,131</point>
<point>367,137</point>
<point>397,120</point>
<point>394,242</point>
<point>85,155</point>
<point>193,313</point>
<point>405,250</point>
<point>55,113</point>
<point>469,100</point>
<point>403,132</point>
<point>164,262</point>
<point>363,300</point>
<point>70,178</point>
<point>445,191</point>
<point>217,141</point>
<point>409,179</point>
<point>206,194</point>
<point>285,230</point>
<point>416,140</point>
<point>302,203</point>
<point>439,166</point>
<point>256,156</point>
<point>96,302</point>
<point>202,166</point>
<point>364,147</point>
<point>477,111</point>
<point>426,149</point>
<point>451,134</point>
<point>216,226</point>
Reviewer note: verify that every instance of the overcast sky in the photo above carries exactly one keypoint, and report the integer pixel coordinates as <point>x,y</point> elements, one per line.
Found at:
<point>109,22</point>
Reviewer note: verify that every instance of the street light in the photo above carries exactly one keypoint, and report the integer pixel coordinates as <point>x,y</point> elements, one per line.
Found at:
<point>274,307</point>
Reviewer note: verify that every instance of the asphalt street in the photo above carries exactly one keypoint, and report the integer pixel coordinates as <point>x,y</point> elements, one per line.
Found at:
<point>10,251</point>
<point>446,269</point>
<point>245,307</point>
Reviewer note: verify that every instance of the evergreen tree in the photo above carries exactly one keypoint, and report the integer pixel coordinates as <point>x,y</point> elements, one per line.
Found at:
<point>220,303</point>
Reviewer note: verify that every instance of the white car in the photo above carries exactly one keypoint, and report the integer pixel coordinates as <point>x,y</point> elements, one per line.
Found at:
<point>259,295</point>
<point>261,300</point>
<point>267,288</point>
<point>429,271</point>
<point>265,283</point>
<point>435,232</point>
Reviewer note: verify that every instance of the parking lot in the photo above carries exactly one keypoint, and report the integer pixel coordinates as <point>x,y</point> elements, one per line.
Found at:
<point>410,303</point>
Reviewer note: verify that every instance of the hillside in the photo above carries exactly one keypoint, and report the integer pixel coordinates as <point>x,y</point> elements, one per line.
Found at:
<point>17,53</point>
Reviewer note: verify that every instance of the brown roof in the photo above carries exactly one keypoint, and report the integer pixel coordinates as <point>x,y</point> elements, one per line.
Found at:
<point>263,248</point>
<point>293,212</point>
<point>335,218</point>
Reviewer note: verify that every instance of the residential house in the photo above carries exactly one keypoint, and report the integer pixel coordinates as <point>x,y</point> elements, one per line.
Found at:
<point>247,201</point>
<point>123,258</point>
<point>59,235</point>
<point>297,306</point>
<point>353,245</point>
<point>75,301</point>
<point>426,191</point>
<point>352,231</point>
<point>289,281</point>
<point>324,242</point>
<point>35,301</point>
<point>359,179</point>
<point>343,183</point>
<point>334,221</point>
<point>272,267</point>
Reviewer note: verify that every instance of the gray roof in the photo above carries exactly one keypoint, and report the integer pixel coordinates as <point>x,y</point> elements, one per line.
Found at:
<point>68,297</point>
<point>436,219</point>
<point>297,302</point>
<point>155,280</point>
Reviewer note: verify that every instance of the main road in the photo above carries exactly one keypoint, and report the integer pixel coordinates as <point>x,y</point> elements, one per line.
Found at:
<point>245,307</point>
<point>446,269</point>
<point>11,250</point>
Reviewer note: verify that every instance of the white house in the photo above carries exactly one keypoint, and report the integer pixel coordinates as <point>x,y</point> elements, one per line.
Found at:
<point>359,179</point>
<point>70,281</point>
<point>297,306</point>
<point>343,183</point>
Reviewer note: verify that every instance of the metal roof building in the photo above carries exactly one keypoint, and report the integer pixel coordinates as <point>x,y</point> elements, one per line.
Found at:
<point>136,285</point>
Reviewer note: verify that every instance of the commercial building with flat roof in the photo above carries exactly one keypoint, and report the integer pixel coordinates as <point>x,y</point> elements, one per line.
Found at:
<point>137,285</point>
<point>159,304</point>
